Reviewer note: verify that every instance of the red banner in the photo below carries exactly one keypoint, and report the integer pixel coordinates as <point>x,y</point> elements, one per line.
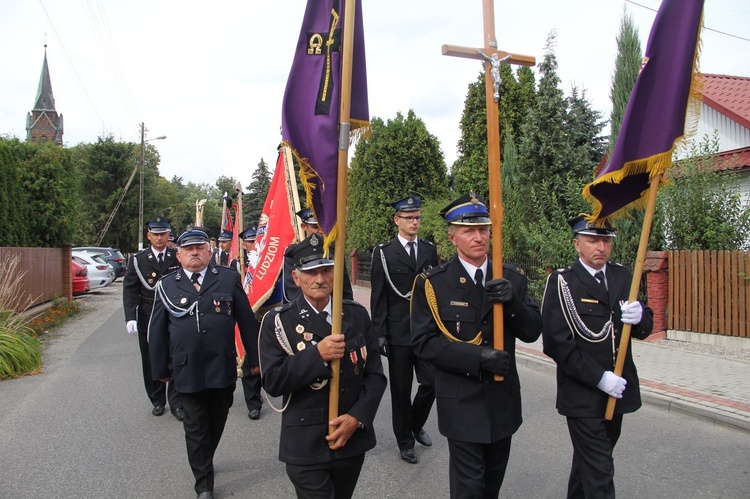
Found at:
<point>275,233</point>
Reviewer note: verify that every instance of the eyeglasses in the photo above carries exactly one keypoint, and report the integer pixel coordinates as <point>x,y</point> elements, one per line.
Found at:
<point>410,219</point>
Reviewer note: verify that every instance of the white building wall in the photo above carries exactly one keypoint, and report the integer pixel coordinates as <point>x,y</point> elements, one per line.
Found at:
<point>731,134</point>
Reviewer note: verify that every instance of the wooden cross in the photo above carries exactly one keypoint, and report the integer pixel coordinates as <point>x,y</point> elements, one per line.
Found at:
<point>492,58</point>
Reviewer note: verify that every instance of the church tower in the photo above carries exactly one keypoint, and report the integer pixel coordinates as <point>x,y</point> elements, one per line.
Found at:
<point>43,124</point>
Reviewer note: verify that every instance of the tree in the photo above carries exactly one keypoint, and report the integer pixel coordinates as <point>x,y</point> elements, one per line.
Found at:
<point>702,207</point>
<point>584,126</point>
<point>257,192</point>
<point>516,97</point>
<point>400,157</point>
<point>627,67</point>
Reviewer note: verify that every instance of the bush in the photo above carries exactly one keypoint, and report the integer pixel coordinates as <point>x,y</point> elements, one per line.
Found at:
<point>19,351</point>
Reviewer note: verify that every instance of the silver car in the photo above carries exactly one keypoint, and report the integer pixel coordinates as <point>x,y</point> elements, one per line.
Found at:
<point>101,273</point>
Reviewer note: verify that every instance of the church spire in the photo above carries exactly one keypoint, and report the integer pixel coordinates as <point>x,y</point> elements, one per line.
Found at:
<point>43,124</point>
<point>44,98</point>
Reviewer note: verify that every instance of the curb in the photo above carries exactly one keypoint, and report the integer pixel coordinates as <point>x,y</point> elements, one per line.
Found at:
<point>659,395</point>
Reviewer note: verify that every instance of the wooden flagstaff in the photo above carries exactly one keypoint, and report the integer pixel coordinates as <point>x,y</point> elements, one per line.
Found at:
<point>343,160</point>
<point>239,226</point>
<point>635,285</point>
<point>492,58</point>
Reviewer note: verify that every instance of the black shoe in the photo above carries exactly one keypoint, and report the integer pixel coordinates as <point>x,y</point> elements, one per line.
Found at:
<point>409,456</point>
<point>253,413</point>
<point>179,413</point>
<point>158,410</point>
<point>206,495</point>
<point>423,438</point>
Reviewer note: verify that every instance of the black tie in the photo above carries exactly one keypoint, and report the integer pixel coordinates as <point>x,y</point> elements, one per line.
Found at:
<point>323,315</point>
<point>161,259</point>
<point>196,283</point>
<point>412,251</point>
<point>600,277</point>
<point>478,275</point>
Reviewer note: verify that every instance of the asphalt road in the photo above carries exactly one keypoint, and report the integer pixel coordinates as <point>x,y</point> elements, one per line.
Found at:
<point>83,429</point>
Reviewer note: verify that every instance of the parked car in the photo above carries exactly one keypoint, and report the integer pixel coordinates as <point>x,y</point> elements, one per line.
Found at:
<point>111,255</point>
<point>100,272</point>
<point>79,275</point>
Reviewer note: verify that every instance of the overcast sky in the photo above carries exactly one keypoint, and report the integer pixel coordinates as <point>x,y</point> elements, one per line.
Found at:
<point>211,75</point>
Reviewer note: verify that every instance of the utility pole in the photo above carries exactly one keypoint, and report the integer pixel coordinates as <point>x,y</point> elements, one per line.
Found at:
<point>142,172</point>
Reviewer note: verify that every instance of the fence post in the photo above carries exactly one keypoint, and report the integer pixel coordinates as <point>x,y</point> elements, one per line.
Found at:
<point>66,252</point>
<point>354,260</point>
<point>656,267</point>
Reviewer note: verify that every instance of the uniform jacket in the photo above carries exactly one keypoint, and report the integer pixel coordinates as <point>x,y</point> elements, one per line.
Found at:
<point>472,407</point>
<point>580,362</point>
<point>389,308</point>
<point>140,279</point>
<point>200,344</point>
<point>291,291</point>
<point>297,373</point>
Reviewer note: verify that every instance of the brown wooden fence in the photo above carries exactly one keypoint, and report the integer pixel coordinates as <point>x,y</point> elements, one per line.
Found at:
<point>46,272</point>
<point>709,292</point>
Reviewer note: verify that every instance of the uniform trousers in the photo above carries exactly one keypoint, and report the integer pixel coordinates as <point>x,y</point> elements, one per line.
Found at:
<point>251,384</point>
<point>205,416</point>
<point>332,480</point>
<point>409,416</point>
<point>156,390</point>
<point>593,469</point>
<point>477,470</point>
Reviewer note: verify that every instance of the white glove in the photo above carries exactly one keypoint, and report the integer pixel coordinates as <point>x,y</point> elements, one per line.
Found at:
<point>131,327</point>
<point>632,312</point>
<point>612,384</point>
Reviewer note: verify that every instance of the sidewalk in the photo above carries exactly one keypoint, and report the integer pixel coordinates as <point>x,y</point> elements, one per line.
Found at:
<point>706,386</point>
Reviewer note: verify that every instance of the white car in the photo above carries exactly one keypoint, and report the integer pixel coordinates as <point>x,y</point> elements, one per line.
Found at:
<point>100,272</point>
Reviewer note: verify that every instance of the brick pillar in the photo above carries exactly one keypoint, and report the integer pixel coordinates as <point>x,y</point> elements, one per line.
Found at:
<point>354,260</point>
<point>656,267</point>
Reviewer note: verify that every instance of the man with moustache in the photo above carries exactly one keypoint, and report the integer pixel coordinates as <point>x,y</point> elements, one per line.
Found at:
<point>191,336</point>
<point>310,226</point>
<point>453,327</point>
<point>584,309</point>
<point>143,272</point>
<point>395,264</point>
<point>297,347</point>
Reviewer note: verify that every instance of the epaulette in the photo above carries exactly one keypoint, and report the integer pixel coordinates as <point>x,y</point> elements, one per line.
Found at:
<point>352,302</point>
<point>513,268</point>
<point>436,270</point>
<point>426,242</point>
<point>384,244</point>
<point>140,252</point>
<point>615,264</point>
<point>285,307</point>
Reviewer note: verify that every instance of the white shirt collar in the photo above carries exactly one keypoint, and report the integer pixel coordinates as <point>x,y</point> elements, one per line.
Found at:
<point>156,252</point>
<point>593,271</point>
<point>405,241</point>
<point>202,273</point>
<point>472,270</point>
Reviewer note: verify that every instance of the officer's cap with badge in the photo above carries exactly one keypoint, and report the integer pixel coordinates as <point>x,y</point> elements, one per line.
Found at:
<point>469,209</point>
<point>225,236</point>
<point>409,203</point>
<point>249,234</point>
<point>193,235</point>
<point>171,235</point>
<point>308,254</point>
<point>580,225</point>
<point>158,225</point>
<point>306,215</point>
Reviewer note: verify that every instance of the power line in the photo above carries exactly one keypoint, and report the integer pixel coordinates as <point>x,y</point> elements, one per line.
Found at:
<point>704,27</point>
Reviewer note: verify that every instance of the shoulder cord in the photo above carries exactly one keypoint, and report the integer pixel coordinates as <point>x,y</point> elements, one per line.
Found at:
<point>432,301</point>
<point>284,344</point>
<point>173,309</point>
<point>388,278</point>
<point>575,323</point>
<point>140,277</point>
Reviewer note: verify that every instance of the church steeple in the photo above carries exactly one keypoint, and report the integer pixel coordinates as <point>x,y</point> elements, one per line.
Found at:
<point>43,123</point>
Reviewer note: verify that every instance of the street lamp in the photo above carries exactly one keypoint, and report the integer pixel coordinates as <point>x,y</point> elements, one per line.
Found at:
<point>140,198</point>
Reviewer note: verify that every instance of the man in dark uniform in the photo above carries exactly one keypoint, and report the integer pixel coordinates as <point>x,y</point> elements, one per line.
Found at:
<point>310,226</point>
<point>251,383</point>
<point>584,308</point>
<point>191,335</point>
<point>144,270</point>
<point>395,264</point>
<point>296,349</point>
<point>221,255</point>
<point>452,327</point>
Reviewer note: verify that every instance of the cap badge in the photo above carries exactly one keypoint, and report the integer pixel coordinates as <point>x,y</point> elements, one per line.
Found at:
<point>314,240</point>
